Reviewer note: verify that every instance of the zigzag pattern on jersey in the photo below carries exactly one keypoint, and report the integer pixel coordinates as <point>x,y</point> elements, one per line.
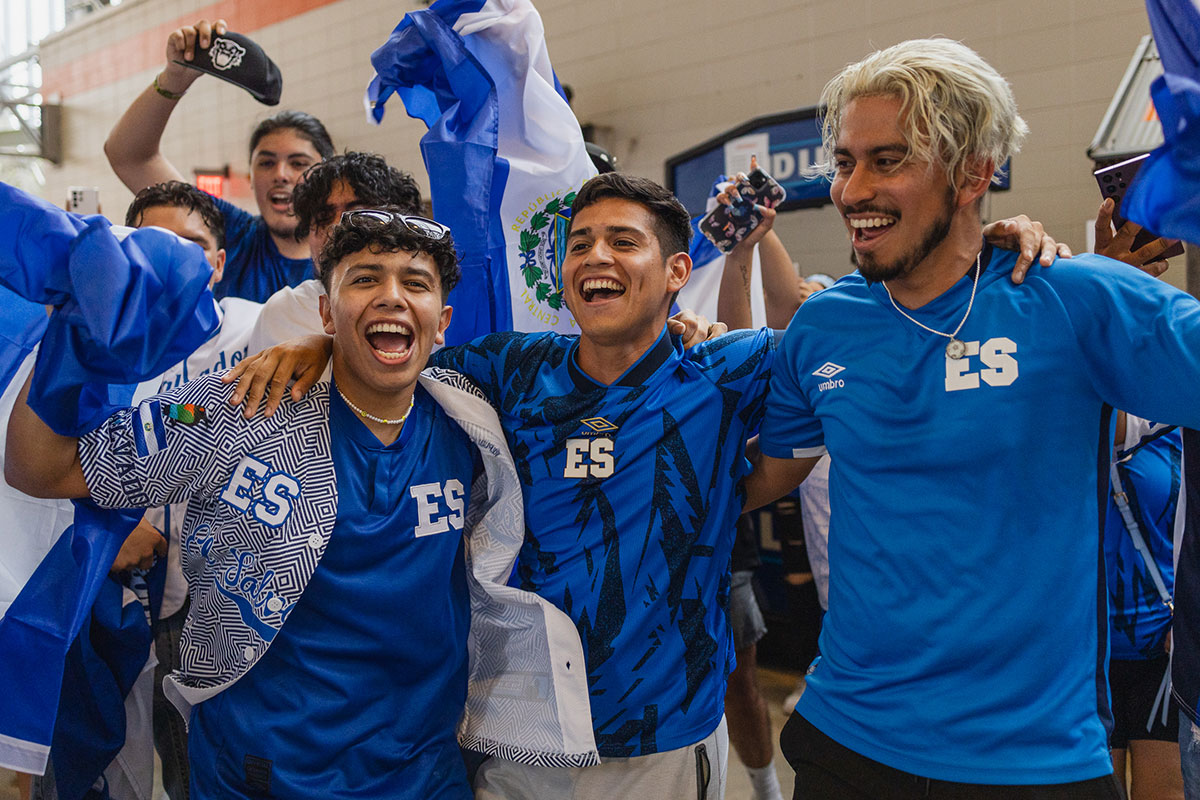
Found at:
<point>521,756</point>
<point>513,707</point>
<point>243,575</point>
<point>456,379</point>
<point>512,369</point>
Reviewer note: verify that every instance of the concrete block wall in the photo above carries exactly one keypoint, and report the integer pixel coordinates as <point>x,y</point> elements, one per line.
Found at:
<point>655,78</point>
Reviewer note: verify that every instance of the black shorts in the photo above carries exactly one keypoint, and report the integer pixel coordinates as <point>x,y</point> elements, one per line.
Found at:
<point>827,770</point>
<point>1134,686</point>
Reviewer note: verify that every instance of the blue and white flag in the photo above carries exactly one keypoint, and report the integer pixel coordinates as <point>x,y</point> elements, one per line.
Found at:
<point>504,154</point>
<point>1165,196</point>
<point>128,305</point>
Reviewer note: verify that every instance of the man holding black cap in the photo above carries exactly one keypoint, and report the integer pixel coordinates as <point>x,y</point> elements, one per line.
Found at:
<point>264,254</point>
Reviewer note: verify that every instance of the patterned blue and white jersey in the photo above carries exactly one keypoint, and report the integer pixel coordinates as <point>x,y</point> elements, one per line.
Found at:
<point>965,639</point>
<point>262,501</point>
<point>631,494</point>
<point>225,349</point>
<point>1138,618</point>
<point>397,544</point>
<point>263,504</point>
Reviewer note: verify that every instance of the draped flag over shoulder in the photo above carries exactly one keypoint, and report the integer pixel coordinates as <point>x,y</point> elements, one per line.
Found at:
<point>708,263</point>
<point>504,154</point>
<point>128,305</point>
<point>1165,196</point>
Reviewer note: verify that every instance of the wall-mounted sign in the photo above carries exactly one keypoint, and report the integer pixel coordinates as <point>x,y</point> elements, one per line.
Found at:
<point>786,144</point>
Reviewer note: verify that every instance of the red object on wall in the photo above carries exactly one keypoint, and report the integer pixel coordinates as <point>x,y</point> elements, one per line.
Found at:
<point>213,184</point>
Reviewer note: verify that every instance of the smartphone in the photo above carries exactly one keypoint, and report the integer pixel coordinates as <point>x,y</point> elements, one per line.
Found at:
<point>767,191</point>
<point>726,225</point>
<point>1114,181</point>
<point>83,199</point>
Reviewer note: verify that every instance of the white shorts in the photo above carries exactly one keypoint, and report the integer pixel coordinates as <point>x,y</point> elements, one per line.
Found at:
<point>696,771</point>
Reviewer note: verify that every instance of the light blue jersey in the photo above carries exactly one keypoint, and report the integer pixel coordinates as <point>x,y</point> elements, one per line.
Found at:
<point>966,634</point>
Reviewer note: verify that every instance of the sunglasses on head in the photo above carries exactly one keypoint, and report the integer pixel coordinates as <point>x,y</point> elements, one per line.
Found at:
<point>418,225</point>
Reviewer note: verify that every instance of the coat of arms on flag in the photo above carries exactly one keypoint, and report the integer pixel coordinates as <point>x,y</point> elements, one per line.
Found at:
<point>543,248</point>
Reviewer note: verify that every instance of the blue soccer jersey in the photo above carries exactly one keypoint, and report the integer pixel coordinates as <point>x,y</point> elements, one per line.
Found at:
<point>1138,618</point>
<point>631,494</point>
<point>254,267</point>
<point>966,633</point>
<point>346,557</point>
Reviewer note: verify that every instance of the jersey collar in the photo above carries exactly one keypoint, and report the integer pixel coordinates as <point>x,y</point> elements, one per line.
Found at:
<point>663,350</point>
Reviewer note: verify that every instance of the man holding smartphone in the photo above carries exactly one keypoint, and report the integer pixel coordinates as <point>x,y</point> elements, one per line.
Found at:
<point>968,423</point>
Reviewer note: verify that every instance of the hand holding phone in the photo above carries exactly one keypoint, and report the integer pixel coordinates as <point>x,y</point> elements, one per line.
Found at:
<point>1114,181</point>
<point>736,214</point>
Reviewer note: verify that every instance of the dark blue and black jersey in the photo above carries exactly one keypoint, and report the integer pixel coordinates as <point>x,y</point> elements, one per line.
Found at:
<point>631,495</point>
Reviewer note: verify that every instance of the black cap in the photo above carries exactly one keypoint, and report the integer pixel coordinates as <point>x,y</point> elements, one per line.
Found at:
<point>236,58</point>
<point>601,158</point>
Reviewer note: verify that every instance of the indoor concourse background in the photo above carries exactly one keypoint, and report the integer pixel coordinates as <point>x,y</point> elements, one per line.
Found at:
<point>654,79</point>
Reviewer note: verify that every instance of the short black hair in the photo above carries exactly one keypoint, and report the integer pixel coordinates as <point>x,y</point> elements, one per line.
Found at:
<point>178,195</point>
<point>673,224</point>
<point>375,183</point>
<point>306,125</point>
<point>362,232</point>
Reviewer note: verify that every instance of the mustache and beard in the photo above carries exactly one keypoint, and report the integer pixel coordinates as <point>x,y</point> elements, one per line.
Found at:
<point>876,270</point>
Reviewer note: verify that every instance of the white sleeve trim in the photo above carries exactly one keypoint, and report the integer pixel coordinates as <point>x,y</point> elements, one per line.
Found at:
<point>808,452</point>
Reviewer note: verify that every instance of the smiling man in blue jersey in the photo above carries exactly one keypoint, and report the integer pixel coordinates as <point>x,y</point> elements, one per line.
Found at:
<point>264,253</point>
<point>964,650</point>
<point>629,451</point>
<point>306,535</point>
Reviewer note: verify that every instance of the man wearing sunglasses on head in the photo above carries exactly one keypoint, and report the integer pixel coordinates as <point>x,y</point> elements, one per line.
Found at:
<point>325,653</point>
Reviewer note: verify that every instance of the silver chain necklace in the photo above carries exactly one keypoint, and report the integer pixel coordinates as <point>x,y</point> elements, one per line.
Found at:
<point>955,348</point>
<point>374,418</point>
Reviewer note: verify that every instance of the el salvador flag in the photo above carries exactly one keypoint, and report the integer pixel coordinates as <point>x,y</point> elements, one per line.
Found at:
<point>504,154</point>
<point>1165,196</point>
<point>127,305</point>
<point>708,264</point>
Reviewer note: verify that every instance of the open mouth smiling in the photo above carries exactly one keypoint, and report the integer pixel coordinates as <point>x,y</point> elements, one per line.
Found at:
<point>594,289</point>
<point>391,341</point>
<point>867,228</point>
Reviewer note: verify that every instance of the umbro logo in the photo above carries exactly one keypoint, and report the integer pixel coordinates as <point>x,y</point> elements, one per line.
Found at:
<point>599,424</point>
<point>828,370</point>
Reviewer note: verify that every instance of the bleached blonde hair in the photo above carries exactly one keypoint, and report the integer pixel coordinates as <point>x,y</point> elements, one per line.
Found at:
<point>956,111</point>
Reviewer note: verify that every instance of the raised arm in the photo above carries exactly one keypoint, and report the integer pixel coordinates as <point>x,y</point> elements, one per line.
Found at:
<point>133,145</point>
<point>733,299</point>
<point>37,461</point>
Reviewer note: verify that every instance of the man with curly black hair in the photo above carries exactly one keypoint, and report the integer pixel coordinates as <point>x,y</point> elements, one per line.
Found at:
<point>306,533</point>
<point>329,189</point>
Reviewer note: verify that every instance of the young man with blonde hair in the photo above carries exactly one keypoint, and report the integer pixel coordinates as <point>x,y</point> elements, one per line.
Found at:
<point>968,420</point>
